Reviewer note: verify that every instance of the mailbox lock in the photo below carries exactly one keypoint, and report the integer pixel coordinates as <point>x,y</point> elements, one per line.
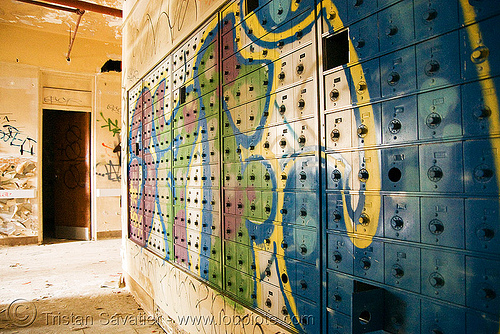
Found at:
<point>303,212</point>
<point>299,35</point>
<point>432,67</point>
<point>365,263</point>
<point>485,232</point>
<point>303,249</point>
<point>281,76</point>
<point>332,15</point>
<point>283,143</point>
<point>433,120</point>
<point>393,78</point>
<point>397,223</point>
<point>479,54</point>
<point>395,126</point>
<point>301,104</point>
<point>337,257</point>
<point>391,31</point>
<point>268,272</point>
<point>283,177</point>
<point>266,144</point>
<point>335,135</point>
<point>284,245</point>
<point>240,234</point>
<point>364,220</point>
<point>362,131</point>
<point>336,175</point>
<point>240,262</point>
<point>334,95</point>
<point>358,3</point>
<point>302,140</point>
<point>300,69</point>
<point>302,176</point>
<point>303,285</point>
<point>280,45</point>
<point>430,15</point>
<point>483,173</point>
<point>481,112</point>
<point>267,177</point>
<point>436,280</point>
<point>282,109</point>
<point>283,211</point>
<point>487,293</point>
<point>267,241</point>
<point>268,303</point>
<point>435,173</point>
<point>436,226</point>
<point>359,43</point>
<point>361,87</point>
<point>252,207</point>
<point>284,311</point>
<point>252,177</point>
<point>397,271</point>
<point>363,175</point>
<point>337,216</point>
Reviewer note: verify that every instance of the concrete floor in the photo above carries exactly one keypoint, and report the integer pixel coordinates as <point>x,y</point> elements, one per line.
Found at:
<point>69,287</point>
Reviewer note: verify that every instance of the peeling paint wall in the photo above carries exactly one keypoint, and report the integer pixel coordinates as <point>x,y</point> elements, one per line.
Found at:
<point>18,216</point>
<point>18,150</point>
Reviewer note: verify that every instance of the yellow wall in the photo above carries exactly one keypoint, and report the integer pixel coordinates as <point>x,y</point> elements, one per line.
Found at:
<point>48,50</point>
<point>44,55</point>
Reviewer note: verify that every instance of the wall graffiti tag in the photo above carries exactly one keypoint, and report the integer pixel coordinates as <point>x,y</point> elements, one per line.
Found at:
<point>72,151</point>
<point>111,171</point>
<point>14,137</point>
<point>112,126</point>
<point>365,185</point>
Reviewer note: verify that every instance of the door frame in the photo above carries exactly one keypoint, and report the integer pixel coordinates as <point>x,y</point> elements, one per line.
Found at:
<point>68,84</point>
<point>73,232</point>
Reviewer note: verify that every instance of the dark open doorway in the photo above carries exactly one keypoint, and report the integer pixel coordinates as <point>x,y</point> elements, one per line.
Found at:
<point>66,175</point>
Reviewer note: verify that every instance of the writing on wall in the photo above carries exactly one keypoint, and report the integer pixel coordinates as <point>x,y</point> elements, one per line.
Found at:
<point>13,136</point>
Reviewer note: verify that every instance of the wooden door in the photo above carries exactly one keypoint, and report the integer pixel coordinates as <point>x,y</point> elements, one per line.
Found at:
<point>66,174</point>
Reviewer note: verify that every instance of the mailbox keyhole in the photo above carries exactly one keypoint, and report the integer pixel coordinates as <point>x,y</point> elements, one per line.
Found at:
<point>365,317</point>
<point>284,278</point>
<point>394,174</point>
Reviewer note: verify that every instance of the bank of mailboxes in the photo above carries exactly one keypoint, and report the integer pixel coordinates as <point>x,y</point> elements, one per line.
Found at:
<point>411,203</point>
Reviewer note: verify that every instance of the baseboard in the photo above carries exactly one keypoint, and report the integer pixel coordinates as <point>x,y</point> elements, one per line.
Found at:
<point>72,233</point>
<point>140,295</point>
<point>109,234</point>
<point>18,241</point>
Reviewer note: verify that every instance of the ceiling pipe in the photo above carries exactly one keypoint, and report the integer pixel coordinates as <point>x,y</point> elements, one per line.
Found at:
<point>80,14</point>
<point>51,6</point>
<point>91,7</point>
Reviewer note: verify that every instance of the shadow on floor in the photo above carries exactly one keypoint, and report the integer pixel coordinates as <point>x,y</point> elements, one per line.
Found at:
<point>112,313</point>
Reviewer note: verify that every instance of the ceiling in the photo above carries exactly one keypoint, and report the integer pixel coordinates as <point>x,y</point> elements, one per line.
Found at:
<point>93,25</point>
